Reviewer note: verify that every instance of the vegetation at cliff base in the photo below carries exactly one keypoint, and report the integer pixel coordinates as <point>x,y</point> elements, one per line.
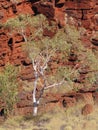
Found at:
<point>8,88</point>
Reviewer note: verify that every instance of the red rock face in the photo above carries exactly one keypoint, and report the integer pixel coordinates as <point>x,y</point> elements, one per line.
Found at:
<point>10,9</point>
<point>85,12</point>
<point>78,12</point>
<point>25,106</point>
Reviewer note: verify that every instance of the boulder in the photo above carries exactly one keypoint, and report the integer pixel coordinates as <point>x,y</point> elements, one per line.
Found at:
<point>87,109</point>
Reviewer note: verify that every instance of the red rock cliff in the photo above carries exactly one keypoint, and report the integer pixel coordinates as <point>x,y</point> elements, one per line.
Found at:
<point>78,12</point>
<point>83,12</point>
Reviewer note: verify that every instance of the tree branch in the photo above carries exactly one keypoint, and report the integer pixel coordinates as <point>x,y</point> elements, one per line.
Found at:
<point>55,84</point>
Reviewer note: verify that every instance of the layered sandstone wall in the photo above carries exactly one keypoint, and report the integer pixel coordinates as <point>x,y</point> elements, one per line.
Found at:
<point>78,12</point>
<point>83,12</point>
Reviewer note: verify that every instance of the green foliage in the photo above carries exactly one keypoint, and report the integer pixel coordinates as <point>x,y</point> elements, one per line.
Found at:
<point>86,57</point>
<point>9,87</point>
<point>62,42</point>
<point>17,22</point>
<point>39,49</point>
<point>72,34</point>
<point>36,25</point>
<point>22,21</point>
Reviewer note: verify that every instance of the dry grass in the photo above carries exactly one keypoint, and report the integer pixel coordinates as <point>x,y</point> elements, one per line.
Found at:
<point>68,119</point>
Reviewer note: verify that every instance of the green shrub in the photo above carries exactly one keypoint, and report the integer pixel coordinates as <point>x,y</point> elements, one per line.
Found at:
<point>9,88</point>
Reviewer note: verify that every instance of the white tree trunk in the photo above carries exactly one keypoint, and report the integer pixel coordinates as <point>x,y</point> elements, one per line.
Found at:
<point>35,109</point>
<point>35,103</point>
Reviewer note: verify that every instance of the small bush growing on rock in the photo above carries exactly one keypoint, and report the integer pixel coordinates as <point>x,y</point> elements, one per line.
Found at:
<point>37,25</point>
<point>8,88</point>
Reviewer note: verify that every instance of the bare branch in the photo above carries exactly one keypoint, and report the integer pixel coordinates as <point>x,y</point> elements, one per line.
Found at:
<point>23,34</point>
<point>55,84</point>
<point>47,59</point>
<point>74,69</point>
